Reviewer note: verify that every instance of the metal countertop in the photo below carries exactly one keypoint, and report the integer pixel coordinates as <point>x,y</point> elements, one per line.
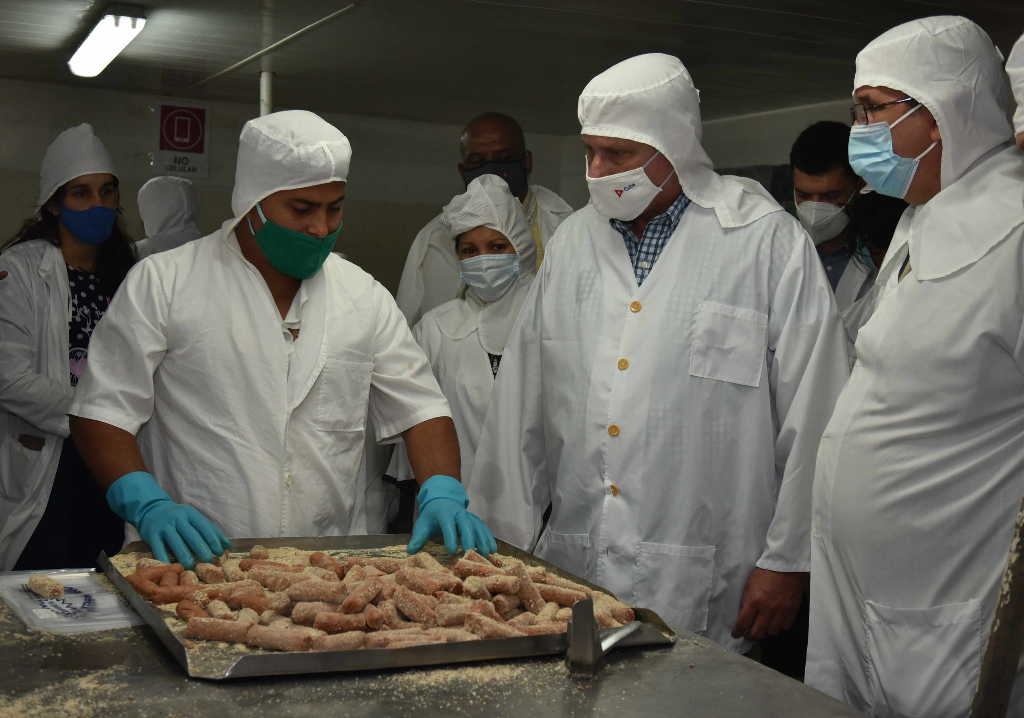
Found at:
<point>127,672</point>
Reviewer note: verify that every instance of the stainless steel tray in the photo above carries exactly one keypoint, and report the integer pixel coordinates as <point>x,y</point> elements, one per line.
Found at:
<point>225,664</point>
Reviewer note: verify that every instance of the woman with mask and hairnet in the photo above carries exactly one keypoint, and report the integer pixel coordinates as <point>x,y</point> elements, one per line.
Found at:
<point>920,469</point>
<point>168,207</point>
<point>231,383</point>
<point>465,337</point>
<point>666,382</point>
<point>62,268</point>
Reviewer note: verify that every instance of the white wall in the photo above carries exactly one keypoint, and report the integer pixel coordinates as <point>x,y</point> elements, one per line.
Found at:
<point>402,172</point>
<point>765,138</point>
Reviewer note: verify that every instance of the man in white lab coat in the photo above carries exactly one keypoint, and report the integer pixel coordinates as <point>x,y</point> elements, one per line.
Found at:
<point>668,378</point>
<point>492,143</point>
<point>248,361</point>
<point>921,467</point>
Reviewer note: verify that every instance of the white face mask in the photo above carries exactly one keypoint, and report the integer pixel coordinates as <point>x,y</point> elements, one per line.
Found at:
<point>626,194</point>
<point>823,220</point>
<point>490,276</point>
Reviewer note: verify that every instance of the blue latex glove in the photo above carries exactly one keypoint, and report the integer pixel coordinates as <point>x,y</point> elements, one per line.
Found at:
<point>163,524</point>
<point>442,502</point>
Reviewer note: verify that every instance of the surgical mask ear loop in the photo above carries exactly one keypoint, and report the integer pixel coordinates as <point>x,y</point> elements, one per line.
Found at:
<point>263,218</point>
<point>664,181</point>
<point>905,116</point>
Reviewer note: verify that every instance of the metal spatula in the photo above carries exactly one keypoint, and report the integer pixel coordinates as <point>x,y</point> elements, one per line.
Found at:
<point>587,648</point>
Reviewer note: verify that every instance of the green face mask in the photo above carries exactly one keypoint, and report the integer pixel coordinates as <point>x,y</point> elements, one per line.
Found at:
<point>296,254</point>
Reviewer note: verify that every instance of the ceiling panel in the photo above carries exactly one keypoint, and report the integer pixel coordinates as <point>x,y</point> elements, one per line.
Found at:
<point>445,60</point>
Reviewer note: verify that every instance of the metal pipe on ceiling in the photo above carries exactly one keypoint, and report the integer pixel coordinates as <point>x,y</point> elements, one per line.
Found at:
<point>266,97</point>
<point>279,44</point>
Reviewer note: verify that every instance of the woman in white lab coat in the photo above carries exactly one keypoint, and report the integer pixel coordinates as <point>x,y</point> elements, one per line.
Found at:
<point>63,267</point>
<point>465,337</point>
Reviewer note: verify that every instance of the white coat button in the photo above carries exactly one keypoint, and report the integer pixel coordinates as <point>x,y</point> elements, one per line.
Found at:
<point>635,307</point>
<point>613,430</point>
<point>623,364</point>
<point>614,490</point>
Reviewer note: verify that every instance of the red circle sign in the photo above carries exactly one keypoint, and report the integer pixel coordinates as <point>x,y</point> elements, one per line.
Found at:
<point>181,129</point>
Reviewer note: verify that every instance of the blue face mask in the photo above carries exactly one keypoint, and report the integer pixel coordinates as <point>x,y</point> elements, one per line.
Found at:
<point>490,276</point>
<point>92,226</point>
<point>874,160</point>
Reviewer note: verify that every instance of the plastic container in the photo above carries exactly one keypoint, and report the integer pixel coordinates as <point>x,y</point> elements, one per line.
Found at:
<point>90,602</point>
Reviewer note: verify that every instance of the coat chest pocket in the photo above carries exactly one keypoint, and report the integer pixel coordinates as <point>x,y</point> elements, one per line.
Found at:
<point>729,344</point>
<point>341,395</point>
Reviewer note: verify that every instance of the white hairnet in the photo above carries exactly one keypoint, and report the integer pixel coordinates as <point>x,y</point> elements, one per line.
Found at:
<point>950,66</point>
<point>1015,71</point>
<point>75,152</point>
<point>167,205</point>
<point>651,99</point>
<point>287,150</point>
<point>488,202</point>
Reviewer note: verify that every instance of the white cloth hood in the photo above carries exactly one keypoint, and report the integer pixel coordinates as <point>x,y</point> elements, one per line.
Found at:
<point>488,202</point>
<point>1015,71</point>
<point>651,99</point>
<point>286,150</point>
<point>949,65</point>
<point>75,152</point>
<point>168,205</point>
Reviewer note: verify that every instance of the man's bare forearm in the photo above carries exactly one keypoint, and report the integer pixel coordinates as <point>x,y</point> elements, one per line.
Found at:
<point>433,448</point>
<point>108,451</point>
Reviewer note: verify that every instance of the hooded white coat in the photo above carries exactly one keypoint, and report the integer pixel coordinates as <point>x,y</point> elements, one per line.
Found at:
<point>168,207</point>
<point>459,335</point>
<point>920,469</point>
<point>671,426</point>
<point>35,383</point>
<point>430,276</point>
<point>1015,71</point>
<point>191,355</point>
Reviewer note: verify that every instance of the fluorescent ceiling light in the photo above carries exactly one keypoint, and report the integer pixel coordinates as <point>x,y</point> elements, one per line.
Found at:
<point>111,35</point>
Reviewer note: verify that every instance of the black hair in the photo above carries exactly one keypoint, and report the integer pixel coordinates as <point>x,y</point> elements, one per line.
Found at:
<point>822,147</point>
<point>873,219</point>
<point>114,258</point>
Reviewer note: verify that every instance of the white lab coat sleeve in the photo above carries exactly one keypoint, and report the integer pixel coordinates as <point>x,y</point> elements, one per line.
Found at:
<point>36,398</point>
<point>125,350</point>
<point>1015,69</point>
<point>403,390</point>
<point>410,286</point>
<point>510,486</point>
<point>809,365</point>
<point>400,468</point>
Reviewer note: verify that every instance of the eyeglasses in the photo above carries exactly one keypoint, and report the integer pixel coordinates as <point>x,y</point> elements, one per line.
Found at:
<point>860,114</point>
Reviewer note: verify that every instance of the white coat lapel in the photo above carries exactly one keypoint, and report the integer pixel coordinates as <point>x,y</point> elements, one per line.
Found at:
<point>310,353</point>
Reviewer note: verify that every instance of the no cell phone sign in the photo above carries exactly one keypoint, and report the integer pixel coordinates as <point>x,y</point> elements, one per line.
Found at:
<point>182,129</point>
<point>182,145</point>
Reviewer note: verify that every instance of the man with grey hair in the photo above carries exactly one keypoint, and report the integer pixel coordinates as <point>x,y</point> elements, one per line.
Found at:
<point>667,381</point>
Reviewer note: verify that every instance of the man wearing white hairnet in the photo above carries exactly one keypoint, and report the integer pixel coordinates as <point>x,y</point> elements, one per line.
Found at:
<point>168,208</point>
<point>247,363</point>
<point>491,143</point>
<point>667,380</point>
<point>1015,70</point>
<point>920,469</point>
